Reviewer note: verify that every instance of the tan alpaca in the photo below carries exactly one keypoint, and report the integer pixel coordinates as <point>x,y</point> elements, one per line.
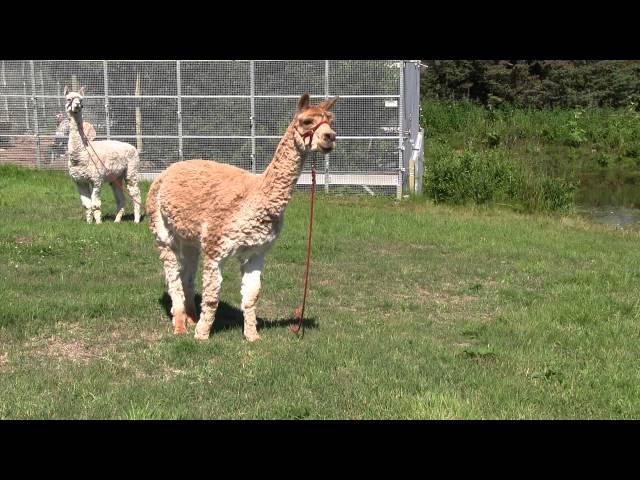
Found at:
<point>223,211</point>
<point>92,164</point>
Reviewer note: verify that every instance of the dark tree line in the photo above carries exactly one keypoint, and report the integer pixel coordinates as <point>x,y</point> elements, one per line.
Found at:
<point>535,83</point>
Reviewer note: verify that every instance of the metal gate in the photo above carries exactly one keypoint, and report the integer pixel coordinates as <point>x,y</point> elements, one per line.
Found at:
<point>232,111</point>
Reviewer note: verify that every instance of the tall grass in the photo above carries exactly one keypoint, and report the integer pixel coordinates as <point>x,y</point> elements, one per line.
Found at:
<point>530,159</point>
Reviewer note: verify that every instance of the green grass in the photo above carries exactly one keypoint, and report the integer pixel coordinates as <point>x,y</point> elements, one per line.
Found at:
<point>415,311</point>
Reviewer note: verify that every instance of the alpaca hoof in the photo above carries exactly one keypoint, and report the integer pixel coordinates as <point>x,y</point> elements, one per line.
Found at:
<point>180,330</point>
<point>191,316</point>
<point>201,336</point>
<point>253,338</point>
<point>179,327</point>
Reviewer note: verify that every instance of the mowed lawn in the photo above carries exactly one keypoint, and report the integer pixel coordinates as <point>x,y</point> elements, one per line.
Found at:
<point>415,311</point>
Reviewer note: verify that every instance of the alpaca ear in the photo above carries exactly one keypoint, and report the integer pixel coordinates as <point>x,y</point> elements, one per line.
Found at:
<point>81,92</point>
<point>66,90</point>
<point>327,104</point>
<point>303,103</point>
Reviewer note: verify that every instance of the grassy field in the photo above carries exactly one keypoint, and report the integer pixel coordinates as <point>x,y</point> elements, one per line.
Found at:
<point>416,312</point>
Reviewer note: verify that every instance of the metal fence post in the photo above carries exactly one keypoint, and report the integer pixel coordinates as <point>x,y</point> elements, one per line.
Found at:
<point>326,156</point>
<point>24,91</point>
<point>401,135</point>
<point>412,120</point>
<point>107,117</point>
<point>35,113</point>
<point>252,118</point>
<point>179,100</point>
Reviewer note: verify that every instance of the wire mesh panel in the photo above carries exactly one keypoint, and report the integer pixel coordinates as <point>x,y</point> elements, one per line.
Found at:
<point>365,116</point>
<point>145,78</point>
<point>265,149</point>
<point>273,115</point>
<point>224,77</point>
<point>368,77</point>
<point>141,116</point>
<point>234,151</point>
<point>216,117</point>
<point>73,74</point>
<point>156,154</point>
<point>293,77</point>
<point>365,155</point>
<point>231,111</point>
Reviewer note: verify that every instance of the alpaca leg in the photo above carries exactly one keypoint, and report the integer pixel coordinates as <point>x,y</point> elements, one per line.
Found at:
<point>172,271</point>
<point>134,191</point>
<point>250,290</point>
<point>85,199</point>
<point>211,284</point>
<point>190,257</point>
<point>116,186</point>
<point>96,203</point>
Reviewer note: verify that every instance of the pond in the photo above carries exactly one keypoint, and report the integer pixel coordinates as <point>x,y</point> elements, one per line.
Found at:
<point>611,197</point>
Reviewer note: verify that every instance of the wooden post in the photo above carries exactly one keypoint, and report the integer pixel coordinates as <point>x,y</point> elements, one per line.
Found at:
<point>34,100</point>
<point>6,103</point>
<point>26,107</point>
<point>138,115</point>
<point>44,106</point>
<point>60,95</point>
<point>74,83</point>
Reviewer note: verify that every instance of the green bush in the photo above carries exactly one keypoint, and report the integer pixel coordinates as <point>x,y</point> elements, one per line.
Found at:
<point>491,176</point>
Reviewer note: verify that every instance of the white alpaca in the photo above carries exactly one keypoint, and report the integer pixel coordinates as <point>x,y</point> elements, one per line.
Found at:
<point>91,164</point>
<point>62,135</point>
<point>226,211</point>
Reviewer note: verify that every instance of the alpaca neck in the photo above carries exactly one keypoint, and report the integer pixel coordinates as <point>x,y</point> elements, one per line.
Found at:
<point>280,177</point>
<point>77,142</point>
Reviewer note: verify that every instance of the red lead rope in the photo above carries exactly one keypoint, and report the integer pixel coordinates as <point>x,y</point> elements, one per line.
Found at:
<point>299,313</point>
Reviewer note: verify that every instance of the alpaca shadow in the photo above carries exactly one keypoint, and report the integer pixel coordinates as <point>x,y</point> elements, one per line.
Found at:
<point>228,317</point>
<point>127,217</point>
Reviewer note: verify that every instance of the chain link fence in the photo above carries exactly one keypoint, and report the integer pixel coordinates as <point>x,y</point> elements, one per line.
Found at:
<point>231,111</point>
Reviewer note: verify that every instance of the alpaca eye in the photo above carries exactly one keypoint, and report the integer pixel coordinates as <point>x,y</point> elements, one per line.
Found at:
<point>307,121</point>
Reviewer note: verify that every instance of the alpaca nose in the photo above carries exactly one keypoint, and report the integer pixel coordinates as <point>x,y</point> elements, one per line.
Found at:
<point>330,137</point>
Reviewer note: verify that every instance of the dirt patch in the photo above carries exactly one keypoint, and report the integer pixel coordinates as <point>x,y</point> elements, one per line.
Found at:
<point>152,336</point>
<point>4,363</point>
<point>24,239</point>
<point>424,296</point>
<point>76,351</point>
<point>169,373</point>
<point>73,343</point>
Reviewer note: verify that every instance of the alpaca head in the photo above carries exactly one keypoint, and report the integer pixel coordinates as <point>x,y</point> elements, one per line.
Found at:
<point>73,101</point>
<point>315,124</point>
